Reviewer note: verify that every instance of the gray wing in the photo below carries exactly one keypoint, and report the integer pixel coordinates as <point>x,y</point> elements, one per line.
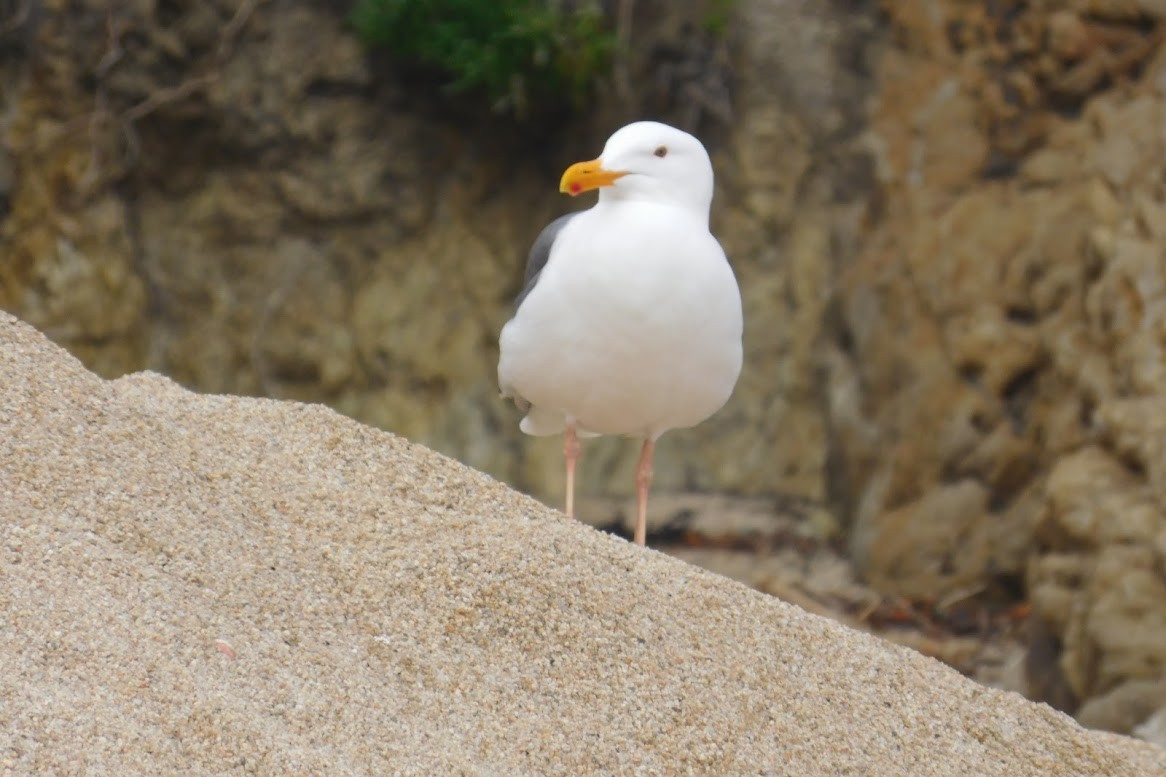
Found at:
<point>540,252</point>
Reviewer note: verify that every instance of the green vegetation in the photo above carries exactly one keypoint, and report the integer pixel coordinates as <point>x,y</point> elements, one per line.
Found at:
<point>716,21</point>
<point>524,56</point>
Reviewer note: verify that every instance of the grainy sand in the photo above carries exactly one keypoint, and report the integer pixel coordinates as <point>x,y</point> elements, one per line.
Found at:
<point>206,585</point>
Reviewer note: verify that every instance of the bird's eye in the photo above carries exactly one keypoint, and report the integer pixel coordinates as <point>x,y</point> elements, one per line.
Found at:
<point>661,151</point>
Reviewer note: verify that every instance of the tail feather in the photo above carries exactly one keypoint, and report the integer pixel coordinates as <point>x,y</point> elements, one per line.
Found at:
<point>543,423</point>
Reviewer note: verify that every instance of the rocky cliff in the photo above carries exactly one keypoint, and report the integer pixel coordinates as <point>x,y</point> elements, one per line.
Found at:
<point>997,378</point>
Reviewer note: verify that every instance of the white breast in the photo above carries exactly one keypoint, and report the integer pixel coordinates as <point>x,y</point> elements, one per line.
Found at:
<point>634,326</point>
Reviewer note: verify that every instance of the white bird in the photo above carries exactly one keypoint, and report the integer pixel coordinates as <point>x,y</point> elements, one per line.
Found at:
<point>630,319</point>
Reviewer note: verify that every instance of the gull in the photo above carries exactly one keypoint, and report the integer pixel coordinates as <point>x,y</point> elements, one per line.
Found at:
<point>629,321</point>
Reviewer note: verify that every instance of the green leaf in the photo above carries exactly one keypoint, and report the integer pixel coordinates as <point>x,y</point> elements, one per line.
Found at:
<point>517,53</point>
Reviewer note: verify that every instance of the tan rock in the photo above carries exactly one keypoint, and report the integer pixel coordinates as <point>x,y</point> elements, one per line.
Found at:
<point>1153,729</point>
<point>984,343</point>
<point>929,548</point>
<point>1125,708</point>
<point>1100,585</point>
<point>1068,37</point>
<point>948,239</point>
<point>997,349</point>
<point>199,583</point>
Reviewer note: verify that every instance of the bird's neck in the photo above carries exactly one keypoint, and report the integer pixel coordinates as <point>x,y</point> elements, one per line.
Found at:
<point>610,199</point>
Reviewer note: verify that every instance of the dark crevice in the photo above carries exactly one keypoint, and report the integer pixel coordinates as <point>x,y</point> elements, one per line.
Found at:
<point>1018,395</point>
<point>1023,315</point>
<point>971,372</point>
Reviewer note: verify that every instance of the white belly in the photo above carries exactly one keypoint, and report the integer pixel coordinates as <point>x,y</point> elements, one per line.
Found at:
<point>633,328</point>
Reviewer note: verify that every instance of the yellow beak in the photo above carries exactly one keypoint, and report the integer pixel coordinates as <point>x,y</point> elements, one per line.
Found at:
<point>585,176</point>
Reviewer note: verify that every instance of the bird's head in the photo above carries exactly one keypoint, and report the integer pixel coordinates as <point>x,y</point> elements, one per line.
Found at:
<point>647,160</point>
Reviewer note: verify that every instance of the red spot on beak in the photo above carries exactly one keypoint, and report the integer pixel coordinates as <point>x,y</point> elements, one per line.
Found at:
<point>576,188</point>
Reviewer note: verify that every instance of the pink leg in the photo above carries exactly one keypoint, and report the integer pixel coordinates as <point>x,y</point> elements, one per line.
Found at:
<point>571,451</point>
<point>643,483</point>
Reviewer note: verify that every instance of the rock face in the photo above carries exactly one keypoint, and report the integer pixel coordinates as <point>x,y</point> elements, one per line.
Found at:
<point>209,584</point>
<point>997,378</point>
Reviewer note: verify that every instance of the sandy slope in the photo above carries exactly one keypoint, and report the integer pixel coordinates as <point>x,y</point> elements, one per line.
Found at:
<point>198,584</point>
